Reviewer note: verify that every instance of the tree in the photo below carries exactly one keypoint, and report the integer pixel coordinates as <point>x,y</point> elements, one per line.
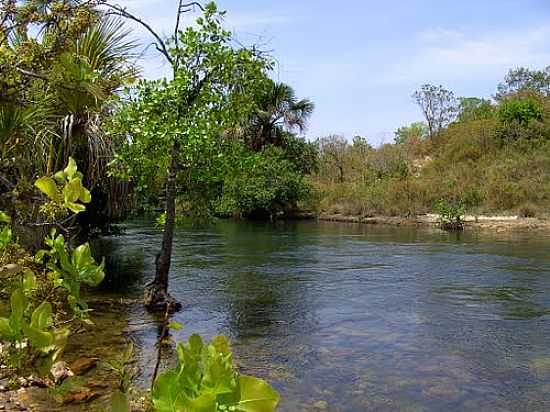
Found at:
<point>473,108</point>
<point>524,79</point>
<point>438,106</point>
<point>414,132</point>
<point>333,151</point>
<point>175,125</point>
<point>278,110</point>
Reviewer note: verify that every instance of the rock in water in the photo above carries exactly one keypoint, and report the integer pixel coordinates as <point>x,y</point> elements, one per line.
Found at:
<point>83,365</point>
<point>60,371</point>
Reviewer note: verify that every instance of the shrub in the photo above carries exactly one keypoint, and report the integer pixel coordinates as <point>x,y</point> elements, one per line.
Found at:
<point>520,110</point>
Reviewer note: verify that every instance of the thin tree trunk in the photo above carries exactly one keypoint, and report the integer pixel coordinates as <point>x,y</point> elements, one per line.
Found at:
<point>156,293</point>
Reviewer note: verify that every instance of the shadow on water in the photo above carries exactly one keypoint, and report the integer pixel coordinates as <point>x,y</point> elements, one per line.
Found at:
<point>361,317</point>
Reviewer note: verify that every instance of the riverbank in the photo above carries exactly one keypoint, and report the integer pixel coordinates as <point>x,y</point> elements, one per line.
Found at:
<point>497,223</point>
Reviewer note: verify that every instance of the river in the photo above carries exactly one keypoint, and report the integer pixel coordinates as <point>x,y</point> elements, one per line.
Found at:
<point>346,317</point>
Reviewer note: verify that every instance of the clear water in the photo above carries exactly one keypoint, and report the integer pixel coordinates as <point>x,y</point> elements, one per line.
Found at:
<point>364,318</point>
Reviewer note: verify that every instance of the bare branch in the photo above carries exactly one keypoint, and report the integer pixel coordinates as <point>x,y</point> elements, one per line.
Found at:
<point>121,11</point>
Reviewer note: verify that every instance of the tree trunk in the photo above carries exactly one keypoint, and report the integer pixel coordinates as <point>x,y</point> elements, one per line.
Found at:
<point>156,292</point>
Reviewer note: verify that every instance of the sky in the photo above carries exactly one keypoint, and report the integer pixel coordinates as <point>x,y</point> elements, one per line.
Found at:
<point>360,61</point>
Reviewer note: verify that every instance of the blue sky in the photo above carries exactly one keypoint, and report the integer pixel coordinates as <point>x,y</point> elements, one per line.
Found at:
<point>360,61</point>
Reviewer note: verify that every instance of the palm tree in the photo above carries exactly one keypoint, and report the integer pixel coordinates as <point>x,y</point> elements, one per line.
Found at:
<point>278,111</point>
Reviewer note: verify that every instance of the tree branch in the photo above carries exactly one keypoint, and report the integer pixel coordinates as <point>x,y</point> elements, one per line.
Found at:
<point>121,11</point>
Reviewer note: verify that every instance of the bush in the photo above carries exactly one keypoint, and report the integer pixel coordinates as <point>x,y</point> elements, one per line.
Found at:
<point>262,184</point>
<point>522,110</point>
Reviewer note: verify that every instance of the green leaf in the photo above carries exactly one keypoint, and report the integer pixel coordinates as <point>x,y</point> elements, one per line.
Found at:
<point>75,207</point>
<point>175,325</point>
<point>256,395</point>
<point>85,195</point>
<point>204,403</point>
<point>167,393</point>
<point>119,402</point>
<point>47,186</point>
<point>195,344</point>
<point>6,332</point>
<point>41,317</point>
<point>71,168</point>
<point>38,338</point>
<point>29,281</point>
<point>4,218</point>
<point>18,303</point>
<point>60,177</point>
<point>71,191</point>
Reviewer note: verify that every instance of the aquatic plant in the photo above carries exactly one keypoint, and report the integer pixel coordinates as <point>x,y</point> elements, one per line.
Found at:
<point>450,214</point>
<point>205,380</point>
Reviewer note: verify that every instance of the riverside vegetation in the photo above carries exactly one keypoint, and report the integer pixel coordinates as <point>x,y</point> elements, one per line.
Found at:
<point>85,142</point>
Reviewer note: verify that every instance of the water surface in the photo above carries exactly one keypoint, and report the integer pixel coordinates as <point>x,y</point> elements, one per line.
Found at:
<point>348,317</point>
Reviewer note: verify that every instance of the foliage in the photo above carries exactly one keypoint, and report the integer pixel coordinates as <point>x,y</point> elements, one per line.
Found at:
<point>71,268</point>
<point>450,214</point>
<point>414,132</point>
<point>204,380</point>
<point>5,230</point>
<point>261,184</point>
<point>520,110</point>
<point>183,119</point>
<point>524,79</point>
<point>61,63</point>
<point>65,191</point>
<point>495,158</point>
<point>472,108</point>
<point>35,284</point>
<point>278,111</point>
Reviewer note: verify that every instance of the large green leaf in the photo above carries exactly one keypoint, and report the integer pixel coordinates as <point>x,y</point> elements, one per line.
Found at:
<point>47,186</point>
<point>256,395</point>
<point>18,303</point>
<point>168,395</point>
<point>6,332</point>
<point>71,191</point>
<point>38,338</point>
<point>41,318</point>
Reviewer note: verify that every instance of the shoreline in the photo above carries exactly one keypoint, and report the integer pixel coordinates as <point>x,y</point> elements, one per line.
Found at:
<point>496,223</point>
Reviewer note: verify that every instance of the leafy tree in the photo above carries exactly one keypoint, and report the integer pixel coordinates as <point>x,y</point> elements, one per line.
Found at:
<point>278,110</point>
<point>438,106</point>
<point>473,108</point>
<point>261,184</point>
<point>414,132</point>
<point>175,125</point>
<point>303,154</point>
<point>524,79</point>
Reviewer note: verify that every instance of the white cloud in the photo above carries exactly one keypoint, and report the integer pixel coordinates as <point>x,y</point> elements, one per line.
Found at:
<point>453,55</point>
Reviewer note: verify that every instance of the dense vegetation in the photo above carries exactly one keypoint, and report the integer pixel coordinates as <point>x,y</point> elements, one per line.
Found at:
<point>85,142</point>
<point>489,156</point>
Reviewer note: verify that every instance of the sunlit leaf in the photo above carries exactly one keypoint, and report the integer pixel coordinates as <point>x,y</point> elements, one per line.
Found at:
<point>47,186</point>
<point>71,168</point>
<point>256,395</point>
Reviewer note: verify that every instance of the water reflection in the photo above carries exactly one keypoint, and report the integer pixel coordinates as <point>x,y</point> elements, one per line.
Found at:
<point>363,317</point>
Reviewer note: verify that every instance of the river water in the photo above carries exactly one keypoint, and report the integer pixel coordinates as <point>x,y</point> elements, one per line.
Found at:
<point>344,317</point>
